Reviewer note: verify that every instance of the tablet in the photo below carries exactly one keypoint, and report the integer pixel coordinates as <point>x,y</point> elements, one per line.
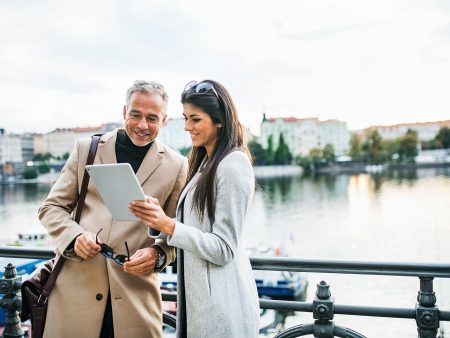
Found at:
<point>118,186</point>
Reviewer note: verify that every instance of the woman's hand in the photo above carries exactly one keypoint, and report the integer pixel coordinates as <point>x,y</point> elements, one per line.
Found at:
<point>152,215</point>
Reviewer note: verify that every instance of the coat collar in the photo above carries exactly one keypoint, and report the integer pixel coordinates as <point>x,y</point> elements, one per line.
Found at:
<point>185,191</point>
<point>151,161</point>
<point>190,183</point>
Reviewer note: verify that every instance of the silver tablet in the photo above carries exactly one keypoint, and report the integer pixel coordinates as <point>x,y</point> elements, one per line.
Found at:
<point>118,186</point>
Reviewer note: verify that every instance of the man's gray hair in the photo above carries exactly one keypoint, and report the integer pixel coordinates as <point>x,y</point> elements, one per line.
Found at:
<point>148,87</point>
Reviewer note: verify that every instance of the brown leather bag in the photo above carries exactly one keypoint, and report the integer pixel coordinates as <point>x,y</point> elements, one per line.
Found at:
<point>37,288</point>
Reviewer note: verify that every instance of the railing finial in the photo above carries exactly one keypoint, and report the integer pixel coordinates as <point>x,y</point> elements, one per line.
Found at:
<point>427,313</point>
<point>11,302</point>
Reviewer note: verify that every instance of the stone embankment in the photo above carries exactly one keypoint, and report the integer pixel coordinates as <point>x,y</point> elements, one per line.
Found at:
<point>277,170</point>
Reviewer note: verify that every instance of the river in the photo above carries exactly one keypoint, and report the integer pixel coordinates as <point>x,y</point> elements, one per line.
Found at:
<point>394,217</point>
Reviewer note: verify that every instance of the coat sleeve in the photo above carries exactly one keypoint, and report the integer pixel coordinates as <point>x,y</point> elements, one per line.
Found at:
<point>235,186</point>
<point>170,208</point>
<point>55,213</point>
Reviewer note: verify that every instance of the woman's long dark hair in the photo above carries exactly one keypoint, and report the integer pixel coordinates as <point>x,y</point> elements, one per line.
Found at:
<point>230,137</point>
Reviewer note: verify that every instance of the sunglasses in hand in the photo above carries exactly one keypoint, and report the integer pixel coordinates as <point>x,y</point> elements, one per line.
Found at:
<point>108,252</point>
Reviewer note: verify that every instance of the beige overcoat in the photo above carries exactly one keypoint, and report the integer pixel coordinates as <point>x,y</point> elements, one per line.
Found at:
<point>77,303</point>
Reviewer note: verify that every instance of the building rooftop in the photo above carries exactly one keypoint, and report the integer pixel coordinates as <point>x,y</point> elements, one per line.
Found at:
<point>443,123</point>
<point>291,119</point>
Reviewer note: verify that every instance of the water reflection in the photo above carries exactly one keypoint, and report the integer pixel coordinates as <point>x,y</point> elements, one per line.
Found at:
<point>355,214</point>
<point>393,216</point>
<point>399,216</point>
<point>19,205</point>
<point>281,190</point>
<point>23,193</point>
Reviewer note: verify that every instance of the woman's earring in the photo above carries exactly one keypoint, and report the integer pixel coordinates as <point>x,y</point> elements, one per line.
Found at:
<point>219,125</point>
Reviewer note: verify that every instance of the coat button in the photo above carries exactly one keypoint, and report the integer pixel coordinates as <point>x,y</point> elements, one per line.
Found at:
<point>99,296</point>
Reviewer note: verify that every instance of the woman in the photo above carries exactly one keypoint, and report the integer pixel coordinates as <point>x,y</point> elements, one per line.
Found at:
<point>217,294</point>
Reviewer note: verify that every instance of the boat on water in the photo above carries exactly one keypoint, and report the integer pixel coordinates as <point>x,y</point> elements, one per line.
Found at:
<point>30,239</point>
<point>278,285</point>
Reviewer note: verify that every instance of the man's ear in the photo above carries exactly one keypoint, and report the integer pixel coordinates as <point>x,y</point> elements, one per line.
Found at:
<point>125,112</point>
<point>164,120</point>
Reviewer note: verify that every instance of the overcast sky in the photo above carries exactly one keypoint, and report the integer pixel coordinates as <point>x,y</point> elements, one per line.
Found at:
<point>69,63</point>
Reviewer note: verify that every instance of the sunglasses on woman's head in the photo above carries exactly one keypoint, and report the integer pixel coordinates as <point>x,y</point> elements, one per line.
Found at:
<point>200,88</point>
<point>108,252</point>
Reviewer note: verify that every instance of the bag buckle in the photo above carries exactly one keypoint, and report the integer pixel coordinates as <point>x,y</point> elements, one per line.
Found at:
<point>42,299</point>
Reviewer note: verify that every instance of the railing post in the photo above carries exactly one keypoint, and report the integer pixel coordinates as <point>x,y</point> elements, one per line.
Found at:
<point>427,313</point>
<point>12,302</point>
<point>323,312</point>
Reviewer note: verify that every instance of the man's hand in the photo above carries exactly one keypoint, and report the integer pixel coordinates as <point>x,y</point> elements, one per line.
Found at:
<point>86,246</point>
<point>142,262</point>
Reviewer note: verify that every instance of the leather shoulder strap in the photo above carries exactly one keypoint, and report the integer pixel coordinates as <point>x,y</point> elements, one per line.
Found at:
<point>84,185</point>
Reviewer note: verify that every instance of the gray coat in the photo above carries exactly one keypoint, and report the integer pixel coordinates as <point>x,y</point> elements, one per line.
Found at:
<point>218,295</point>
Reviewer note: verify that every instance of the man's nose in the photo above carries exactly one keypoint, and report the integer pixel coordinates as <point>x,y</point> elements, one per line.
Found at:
<point>143,124</point>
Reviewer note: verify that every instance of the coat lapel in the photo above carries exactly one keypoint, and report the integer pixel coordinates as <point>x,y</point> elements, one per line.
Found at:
<point>188,186</point>
<point>107,148</point>
<point>151,161</point>
<point>184,192</point>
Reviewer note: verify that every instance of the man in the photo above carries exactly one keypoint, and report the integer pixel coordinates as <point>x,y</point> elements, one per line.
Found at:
<point>95,296</point>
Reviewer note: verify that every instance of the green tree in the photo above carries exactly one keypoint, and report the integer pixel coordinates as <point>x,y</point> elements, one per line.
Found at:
<point>390,149</point>
<point>29,173</point>
<point>432,144</point>
<point>37,157</point>
<point>373,148</point>
<point>408,146</point>
<point>305,163</point>
<point>282,154</point>
<point>316,157</point>
<point>42,157</point>
<point>313,161</point>
<point>355,147</point>
<point>270,155</point>
<point>258,153</point>
<point>65,156</point>
<point>44,168</point>
<point>444,137</point>
<point>185,151</point>
<point>328,153</point>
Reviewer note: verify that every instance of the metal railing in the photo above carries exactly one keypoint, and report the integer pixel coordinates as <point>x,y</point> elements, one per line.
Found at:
<point>426,313</point>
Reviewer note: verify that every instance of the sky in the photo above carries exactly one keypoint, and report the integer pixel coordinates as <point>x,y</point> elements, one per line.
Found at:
<point>69,63</point>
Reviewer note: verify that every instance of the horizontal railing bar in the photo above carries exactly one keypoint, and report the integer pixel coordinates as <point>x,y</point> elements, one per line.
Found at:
<point>26,252</point>
<point>297,265</point>
<point>285,305</point>
<point>321,266</point>
<point>352,310</point>
<point>375,311</point>
<point>383,312</point>
<point>169,297</point>
<point>371,311</point>
<point>353,267</point>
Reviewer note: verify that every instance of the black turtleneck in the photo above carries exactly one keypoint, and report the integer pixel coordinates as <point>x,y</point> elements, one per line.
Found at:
<point>128,152</point>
